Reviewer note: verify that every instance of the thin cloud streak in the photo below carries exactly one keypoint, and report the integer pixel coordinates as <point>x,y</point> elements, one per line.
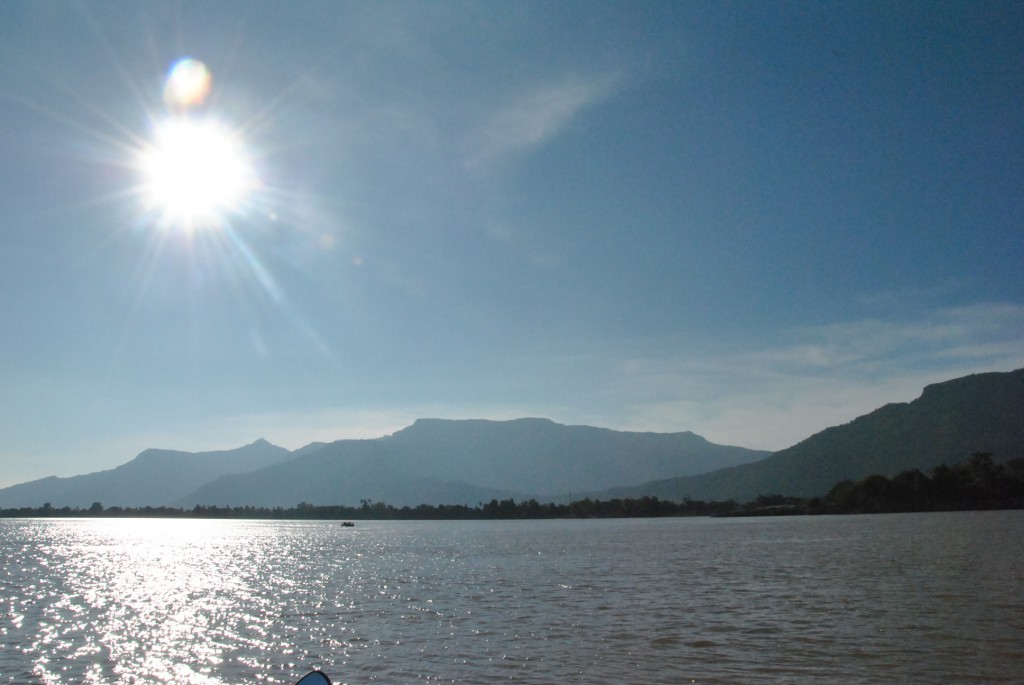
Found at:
<point>774,397</point>
<point>874,343</point>
<point>538,115</point>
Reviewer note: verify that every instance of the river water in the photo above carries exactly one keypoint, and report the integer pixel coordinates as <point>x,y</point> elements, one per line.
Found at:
<point>916,598</point>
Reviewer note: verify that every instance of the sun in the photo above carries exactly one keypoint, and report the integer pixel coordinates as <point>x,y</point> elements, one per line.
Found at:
<point>196,172</point>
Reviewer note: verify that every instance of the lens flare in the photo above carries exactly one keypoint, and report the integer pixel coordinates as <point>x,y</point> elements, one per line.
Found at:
<point>188,84</point>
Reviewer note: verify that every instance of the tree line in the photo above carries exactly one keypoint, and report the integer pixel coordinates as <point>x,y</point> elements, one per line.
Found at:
<point>643,507</point>
<point>979,483</point>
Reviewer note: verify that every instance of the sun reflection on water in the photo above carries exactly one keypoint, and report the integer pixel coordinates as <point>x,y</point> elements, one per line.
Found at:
<point>148,601</point>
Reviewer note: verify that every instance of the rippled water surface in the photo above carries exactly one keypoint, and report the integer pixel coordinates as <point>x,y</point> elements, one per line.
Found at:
<point>924,598</point>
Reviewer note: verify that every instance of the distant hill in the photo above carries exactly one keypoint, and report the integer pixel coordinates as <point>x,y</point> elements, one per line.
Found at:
<point>345,472</point>
<point>154,477</point>
<point>945,425</point>
<point>437,461</point>
<point>433,461</point>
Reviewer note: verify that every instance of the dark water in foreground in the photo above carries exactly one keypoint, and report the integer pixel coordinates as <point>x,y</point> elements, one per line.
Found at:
<point>915,598</point>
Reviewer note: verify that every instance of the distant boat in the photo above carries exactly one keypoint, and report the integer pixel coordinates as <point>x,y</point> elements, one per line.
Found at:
<point>348,524</point>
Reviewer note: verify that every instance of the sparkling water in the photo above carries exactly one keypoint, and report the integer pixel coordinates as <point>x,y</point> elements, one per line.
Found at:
<point>915,598</point>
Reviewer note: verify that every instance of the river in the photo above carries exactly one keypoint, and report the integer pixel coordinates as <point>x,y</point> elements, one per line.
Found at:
<point>904,598</point>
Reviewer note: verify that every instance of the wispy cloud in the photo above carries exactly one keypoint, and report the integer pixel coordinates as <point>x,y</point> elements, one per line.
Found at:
<point>535,116</point>
<point>979,332</point>
<point>774,396</point>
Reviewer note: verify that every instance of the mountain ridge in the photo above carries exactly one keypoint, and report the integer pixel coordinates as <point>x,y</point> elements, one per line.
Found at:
<point>152,477</point>
<point>471,460</point>
<point>944,425</point>
<point>432,461</point>
<point>466,461</point>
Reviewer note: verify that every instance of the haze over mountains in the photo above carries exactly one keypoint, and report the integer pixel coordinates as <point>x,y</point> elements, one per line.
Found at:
<point>154,477</point>
<point>433,462</point>
<point>438,461</point>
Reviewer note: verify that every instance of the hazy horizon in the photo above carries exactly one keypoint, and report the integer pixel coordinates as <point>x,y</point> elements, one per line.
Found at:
<point>751,221</point>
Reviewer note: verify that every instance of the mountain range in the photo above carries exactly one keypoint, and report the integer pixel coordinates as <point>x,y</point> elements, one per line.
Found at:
<point>433,461</point>
<point>437,461</point>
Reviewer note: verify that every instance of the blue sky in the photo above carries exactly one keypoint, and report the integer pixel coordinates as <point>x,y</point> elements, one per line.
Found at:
<point>750,220</point>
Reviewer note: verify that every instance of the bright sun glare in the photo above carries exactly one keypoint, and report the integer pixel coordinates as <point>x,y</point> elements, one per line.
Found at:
<point>196,171</point>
